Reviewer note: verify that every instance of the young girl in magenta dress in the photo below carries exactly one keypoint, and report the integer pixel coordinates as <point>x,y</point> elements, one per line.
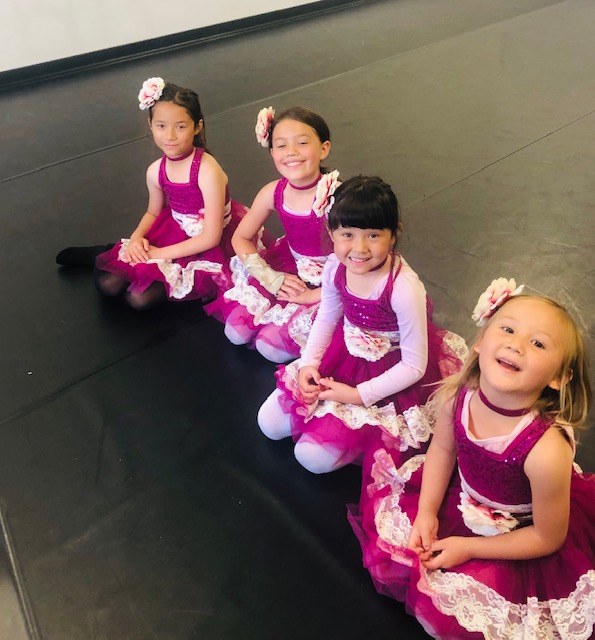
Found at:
<point>276,292</point>
<point>373,352</point>
<point>182,245</point>
<point>492,533</point>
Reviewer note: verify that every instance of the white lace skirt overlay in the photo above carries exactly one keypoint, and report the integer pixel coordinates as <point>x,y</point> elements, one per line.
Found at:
<point>412,428</point>
<point>476,606</point>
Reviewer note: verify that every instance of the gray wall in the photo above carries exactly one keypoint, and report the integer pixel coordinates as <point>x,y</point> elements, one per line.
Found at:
<point>36,31</point>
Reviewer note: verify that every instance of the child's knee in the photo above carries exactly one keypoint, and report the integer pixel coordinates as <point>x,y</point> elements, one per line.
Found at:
<point>318,458</point>
<point>271,353</point>
<point>109,284</point>
<point>272,420</point>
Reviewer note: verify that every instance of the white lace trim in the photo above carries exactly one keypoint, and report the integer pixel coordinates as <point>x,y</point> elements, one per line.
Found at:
<point>250,297</point>
<point>458,348</point>
<point>181,279</point>
<point>301,324</point>
<point>192,224</point>
<point>477,607</point>
<point>401,431</point>
<point>392,524</point>
<point>367,344</point>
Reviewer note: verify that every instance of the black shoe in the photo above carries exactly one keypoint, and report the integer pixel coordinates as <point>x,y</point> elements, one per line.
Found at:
<point>81,256</point>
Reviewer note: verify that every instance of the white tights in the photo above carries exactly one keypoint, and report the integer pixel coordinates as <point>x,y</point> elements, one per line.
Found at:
<point>276,425</point>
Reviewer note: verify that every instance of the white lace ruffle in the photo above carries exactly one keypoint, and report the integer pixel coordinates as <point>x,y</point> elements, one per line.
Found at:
<point>412,428</point>
<point>458,347</point>
<point>192,224</point>
<point>477,607</point>
<point>181,279</point>
<point>392,524</point>
<point>367,344</point>
<point>300,325</point>
<point>258,306</point>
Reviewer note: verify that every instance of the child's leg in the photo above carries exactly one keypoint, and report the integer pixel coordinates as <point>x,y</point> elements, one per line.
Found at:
<point>109,284</point>
<point>272,420</point>
<point>269,344</point>
<point>319,458</point>
<point>81,256</point>
<point>152,296</point>
<point>235,329</point>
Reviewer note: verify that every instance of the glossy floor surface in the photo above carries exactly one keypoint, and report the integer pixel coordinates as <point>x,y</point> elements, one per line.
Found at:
<point>139,499</point>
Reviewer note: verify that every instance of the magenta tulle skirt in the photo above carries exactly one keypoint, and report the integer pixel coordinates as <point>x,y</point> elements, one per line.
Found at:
<point>253,311</point>
<point>543,598</point>
<point>402,422</point>
<point>196,277</point>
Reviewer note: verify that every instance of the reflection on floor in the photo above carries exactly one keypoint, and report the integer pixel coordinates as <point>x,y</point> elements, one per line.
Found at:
<point>142,500</point>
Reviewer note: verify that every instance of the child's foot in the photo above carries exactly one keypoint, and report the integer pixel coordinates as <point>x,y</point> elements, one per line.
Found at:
<point>81,256</point>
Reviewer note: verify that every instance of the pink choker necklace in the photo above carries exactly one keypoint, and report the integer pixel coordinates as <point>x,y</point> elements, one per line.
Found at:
<point>186,155</point>
<point>509,413</point>
<point>307,186</point>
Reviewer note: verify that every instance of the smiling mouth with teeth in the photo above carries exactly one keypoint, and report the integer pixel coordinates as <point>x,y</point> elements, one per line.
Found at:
<point>508,365</point>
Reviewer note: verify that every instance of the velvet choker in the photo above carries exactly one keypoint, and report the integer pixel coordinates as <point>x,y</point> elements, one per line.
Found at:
<point>186,155</point>
<point>509,413</point>
<point>307,186</point>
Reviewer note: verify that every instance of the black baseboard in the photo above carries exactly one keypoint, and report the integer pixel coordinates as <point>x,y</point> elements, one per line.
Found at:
<point>67,66</point>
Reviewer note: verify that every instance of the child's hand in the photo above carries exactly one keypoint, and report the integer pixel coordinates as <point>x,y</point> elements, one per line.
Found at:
<point>137,251</point>
<point>423,534</point>
<point>308,382</point>
<point>154,253</point>
<point>292,286</point>
<point>339,392</point>
<point>448,553</point>
<point>308,296</point>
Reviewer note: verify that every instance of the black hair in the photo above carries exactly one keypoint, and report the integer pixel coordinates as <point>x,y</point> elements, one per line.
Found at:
<point>187,99</point>
<point>312,119</point>
<point>365,202</point>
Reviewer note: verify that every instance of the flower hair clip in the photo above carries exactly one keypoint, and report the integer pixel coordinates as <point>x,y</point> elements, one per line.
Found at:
<point>264,119</point>
<point>150,92</point>
<point>324,199</point>
<point>499,291</point>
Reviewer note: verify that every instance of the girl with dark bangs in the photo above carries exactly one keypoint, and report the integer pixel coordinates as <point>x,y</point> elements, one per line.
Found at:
<point>373,354</point>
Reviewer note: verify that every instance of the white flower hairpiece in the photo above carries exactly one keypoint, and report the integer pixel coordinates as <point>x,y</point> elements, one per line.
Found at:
<point>150,92</point>
<point>494,297</point>
<point>324,199</point>
<point>262,129</point>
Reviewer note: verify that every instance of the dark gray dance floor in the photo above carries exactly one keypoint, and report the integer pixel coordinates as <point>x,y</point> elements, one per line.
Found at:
<point>139,501</point>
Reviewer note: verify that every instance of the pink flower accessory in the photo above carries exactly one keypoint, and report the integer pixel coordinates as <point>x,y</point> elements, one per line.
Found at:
<point>310,270</point>
<point>483,520</point>
<point>324,199</point>
<point>264,119</point>
<point>369,345</point>
<point>499,291</point>
<point>150,92</point>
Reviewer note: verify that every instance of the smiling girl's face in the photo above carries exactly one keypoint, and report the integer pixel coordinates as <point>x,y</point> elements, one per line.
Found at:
<point>297,151</point>
<point>521,350</point>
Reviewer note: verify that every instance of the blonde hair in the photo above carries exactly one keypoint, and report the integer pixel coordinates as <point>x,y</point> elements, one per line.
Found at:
<point>570,404</point>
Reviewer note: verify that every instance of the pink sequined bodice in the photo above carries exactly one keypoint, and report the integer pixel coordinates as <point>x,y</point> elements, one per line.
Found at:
<point>497,476</point>
<point>306,235</point>
<point>375,315</point>
<point>185,197</point>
